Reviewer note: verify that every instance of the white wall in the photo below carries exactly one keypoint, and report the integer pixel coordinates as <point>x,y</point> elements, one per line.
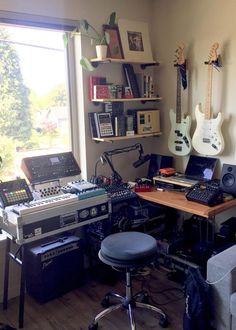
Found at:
<point>198,24</point>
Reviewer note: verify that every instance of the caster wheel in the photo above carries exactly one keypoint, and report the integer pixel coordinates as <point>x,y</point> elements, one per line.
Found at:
<point>93,326</point>
<point>145,299</point>
<point>163,322</point>
<point>105,302</point>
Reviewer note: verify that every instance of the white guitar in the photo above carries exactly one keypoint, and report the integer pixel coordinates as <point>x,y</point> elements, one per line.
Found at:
<point>179,142</point>
<point>207,138</point>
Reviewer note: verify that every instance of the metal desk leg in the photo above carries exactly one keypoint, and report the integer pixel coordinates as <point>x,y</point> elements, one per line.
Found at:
<point>22,289</point>
<point>6,273</point>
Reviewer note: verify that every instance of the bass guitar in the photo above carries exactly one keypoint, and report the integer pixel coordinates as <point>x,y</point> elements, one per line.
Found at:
<point>207,138</point>
<point>179,142</point>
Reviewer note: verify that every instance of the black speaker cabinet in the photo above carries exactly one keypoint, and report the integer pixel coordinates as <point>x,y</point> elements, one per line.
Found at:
<point>54,268</point>
<point>157,162</point>
<point>228,179</point>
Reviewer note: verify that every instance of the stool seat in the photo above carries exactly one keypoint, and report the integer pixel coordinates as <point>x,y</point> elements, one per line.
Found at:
<point>128,249</point>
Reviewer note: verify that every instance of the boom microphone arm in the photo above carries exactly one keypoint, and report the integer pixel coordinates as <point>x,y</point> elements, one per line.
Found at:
<point>105,158</point>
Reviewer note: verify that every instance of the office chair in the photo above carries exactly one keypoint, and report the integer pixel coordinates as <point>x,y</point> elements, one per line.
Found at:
<point>128,251</point>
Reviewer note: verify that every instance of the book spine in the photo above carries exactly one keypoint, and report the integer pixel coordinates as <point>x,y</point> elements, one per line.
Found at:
<point>97,125</point>
<point>92,125</point>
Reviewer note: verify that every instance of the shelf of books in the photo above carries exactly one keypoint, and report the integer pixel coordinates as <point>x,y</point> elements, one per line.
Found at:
<point>133,99</point>
<point>126,137</point>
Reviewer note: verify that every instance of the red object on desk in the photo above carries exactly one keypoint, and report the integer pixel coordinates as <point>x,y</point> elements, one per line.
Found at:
<point>142,188</point>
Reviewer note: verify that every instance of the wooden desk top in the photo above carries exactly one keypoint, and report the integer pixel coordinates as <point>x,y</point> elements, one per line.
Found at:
<point>178,201</point>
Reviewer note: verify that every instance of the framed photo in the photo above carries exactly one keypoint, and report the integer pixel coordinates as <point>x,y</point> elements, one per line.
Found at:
<point>135,40</point>
<point>114,46</point>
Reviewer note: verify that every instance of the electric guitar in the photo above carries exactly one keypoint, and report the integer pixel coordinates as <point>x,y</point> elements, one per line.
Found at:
<point>207,138</point>
<point>179,142</point>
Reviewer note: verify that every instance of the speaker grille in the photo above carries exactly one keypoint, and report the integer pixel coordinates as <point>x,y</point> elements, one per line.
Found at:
<point>228,179</point>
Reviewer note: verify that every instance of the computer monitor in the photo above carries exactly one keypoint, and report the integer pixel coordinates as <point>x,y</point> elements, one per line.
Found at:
<point>200,167</point>
<point>156,162</point>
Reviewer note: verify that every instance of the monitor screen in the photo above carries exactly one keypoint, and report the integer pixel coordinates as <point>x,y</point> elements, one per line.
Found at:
<point>200,167</point>
<point>156,162</point>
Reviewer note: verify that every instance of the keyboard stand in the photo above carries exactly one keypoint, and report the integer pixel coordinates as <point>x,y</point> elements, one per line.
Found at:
<point>20,261</point>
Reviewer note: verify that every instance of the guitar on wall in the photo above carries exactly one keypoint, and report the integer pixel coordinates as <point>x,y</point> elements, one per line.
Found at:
<point>179,142</point>
<point>207,138</point>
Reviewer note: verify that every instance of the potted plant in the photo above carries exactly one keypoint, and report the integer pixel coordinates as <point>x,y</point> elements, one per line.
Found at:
<point>100,39</point>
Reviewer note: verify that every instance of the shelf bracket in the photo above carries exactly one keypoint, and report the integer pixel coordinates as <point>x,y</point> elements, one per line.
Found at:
<point>143,66</point>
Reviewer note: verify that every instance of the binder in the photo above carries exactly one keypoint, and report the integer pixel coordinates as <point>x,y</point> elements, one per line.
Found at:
<point>131,79</point>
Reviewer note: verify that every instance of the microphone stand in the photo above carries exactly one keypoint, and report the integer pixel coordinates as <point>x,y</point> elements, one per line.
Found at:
<point>107,154</point>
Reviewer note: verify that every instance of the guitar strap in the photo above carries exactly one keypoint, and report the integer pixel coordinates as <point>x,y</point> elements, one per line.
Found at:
<point>182,68</point>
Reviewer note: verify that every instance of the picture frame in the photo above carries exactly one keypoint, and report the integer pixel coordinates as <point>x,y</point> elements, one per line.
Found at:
<point>135,40</point>
<point>114,46</point>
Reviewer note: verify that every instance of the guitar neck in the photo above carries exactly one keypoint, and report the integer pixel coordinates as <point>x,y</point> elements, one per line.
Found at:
<point>178,97</point>
<point>208,114</point>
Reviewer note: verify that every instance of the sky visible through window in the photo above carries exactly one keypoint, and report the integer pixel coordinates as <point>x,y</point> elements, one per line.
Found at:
<point>41,59</point>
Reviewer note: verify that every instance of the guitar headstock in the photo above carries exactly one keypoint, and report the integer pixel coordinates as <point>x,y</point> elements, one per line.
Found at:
<point>179,55</point>
<point>213,57</point>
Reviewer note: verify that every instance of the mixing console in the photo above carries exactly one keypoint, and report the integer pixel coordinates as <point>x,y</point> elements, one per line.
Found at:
<point>119,193</point>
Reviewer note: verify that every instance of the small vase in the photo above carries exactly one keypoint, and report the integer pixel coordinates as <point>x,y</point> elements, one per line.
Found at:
<point>101,51</point>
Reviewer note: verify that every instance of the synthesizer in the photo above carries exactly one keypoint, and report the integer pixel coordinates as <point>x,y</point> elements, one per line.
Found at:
<point>43,204</point>
<point>52,216</point>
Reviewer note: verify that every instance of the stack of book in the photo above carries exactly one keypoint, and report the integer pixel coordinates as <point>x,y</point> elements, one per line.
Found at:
<point>145,83</point>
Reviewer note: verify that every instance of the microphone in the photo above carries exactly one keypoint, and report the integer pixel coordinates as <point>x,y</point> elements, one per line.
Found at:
<point>141,160</point>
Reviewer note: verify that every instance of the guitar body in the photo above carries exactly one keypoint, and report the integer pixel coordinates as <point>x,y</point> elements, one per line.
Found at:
<point>207,138</point>
<point>179,142</point>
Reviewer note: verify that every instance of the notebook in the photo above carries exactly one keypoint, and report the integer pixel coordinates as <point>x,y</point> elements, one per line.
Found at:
<point>198,169</point>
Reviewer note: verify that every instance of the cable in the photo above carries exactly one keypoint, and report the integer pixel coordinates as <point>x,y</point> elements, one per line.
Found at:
<point>145,283</point>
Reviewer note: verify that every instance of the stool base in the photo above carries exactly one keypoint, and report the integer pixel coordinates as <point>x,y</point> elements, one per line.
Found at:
<point>129,303</point>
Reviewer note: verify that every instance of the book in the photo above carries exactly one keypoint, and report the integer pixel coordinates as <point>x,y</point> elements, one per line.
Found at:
<point>133,113</point>
<point>92,124</point>
<point>130,123</point>
<point>131,80</point>
<point>145,83</point>
<point>95,80</point>
<point>140,80</point>
<point>101,92</point>
<point>120,125</point>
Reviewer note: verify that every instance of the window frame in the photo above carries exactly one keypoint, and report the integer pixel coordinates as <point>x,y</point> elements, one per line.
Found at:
<point>60,24</point>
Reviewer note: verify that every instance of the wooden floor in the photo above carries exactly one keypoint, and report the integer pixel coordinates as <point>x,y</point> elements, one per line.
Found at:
<point>76,309</point>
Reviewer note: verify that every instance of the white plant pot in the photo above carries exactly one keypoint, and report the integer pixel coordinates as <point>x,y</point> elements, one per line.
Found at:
<point>101,51</point>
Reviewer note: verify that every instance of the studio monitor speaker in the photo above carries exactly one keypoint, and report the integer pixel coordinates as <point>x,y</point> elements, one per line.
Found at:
<point>228,179</point>
<point>157,162</point>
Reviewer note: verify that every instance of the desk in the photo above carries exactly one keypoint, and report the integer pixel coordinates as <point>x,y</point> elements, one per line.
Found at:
<point>178,201</point>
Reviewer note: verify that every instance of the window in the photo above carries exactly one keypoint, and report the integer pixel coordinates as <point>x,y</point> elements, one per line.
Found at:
<point>35,112</point>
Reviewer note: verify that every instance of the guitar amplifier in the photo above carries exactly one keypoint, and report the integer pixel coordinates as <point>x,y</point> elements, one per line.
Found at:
<point>54,268</point>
